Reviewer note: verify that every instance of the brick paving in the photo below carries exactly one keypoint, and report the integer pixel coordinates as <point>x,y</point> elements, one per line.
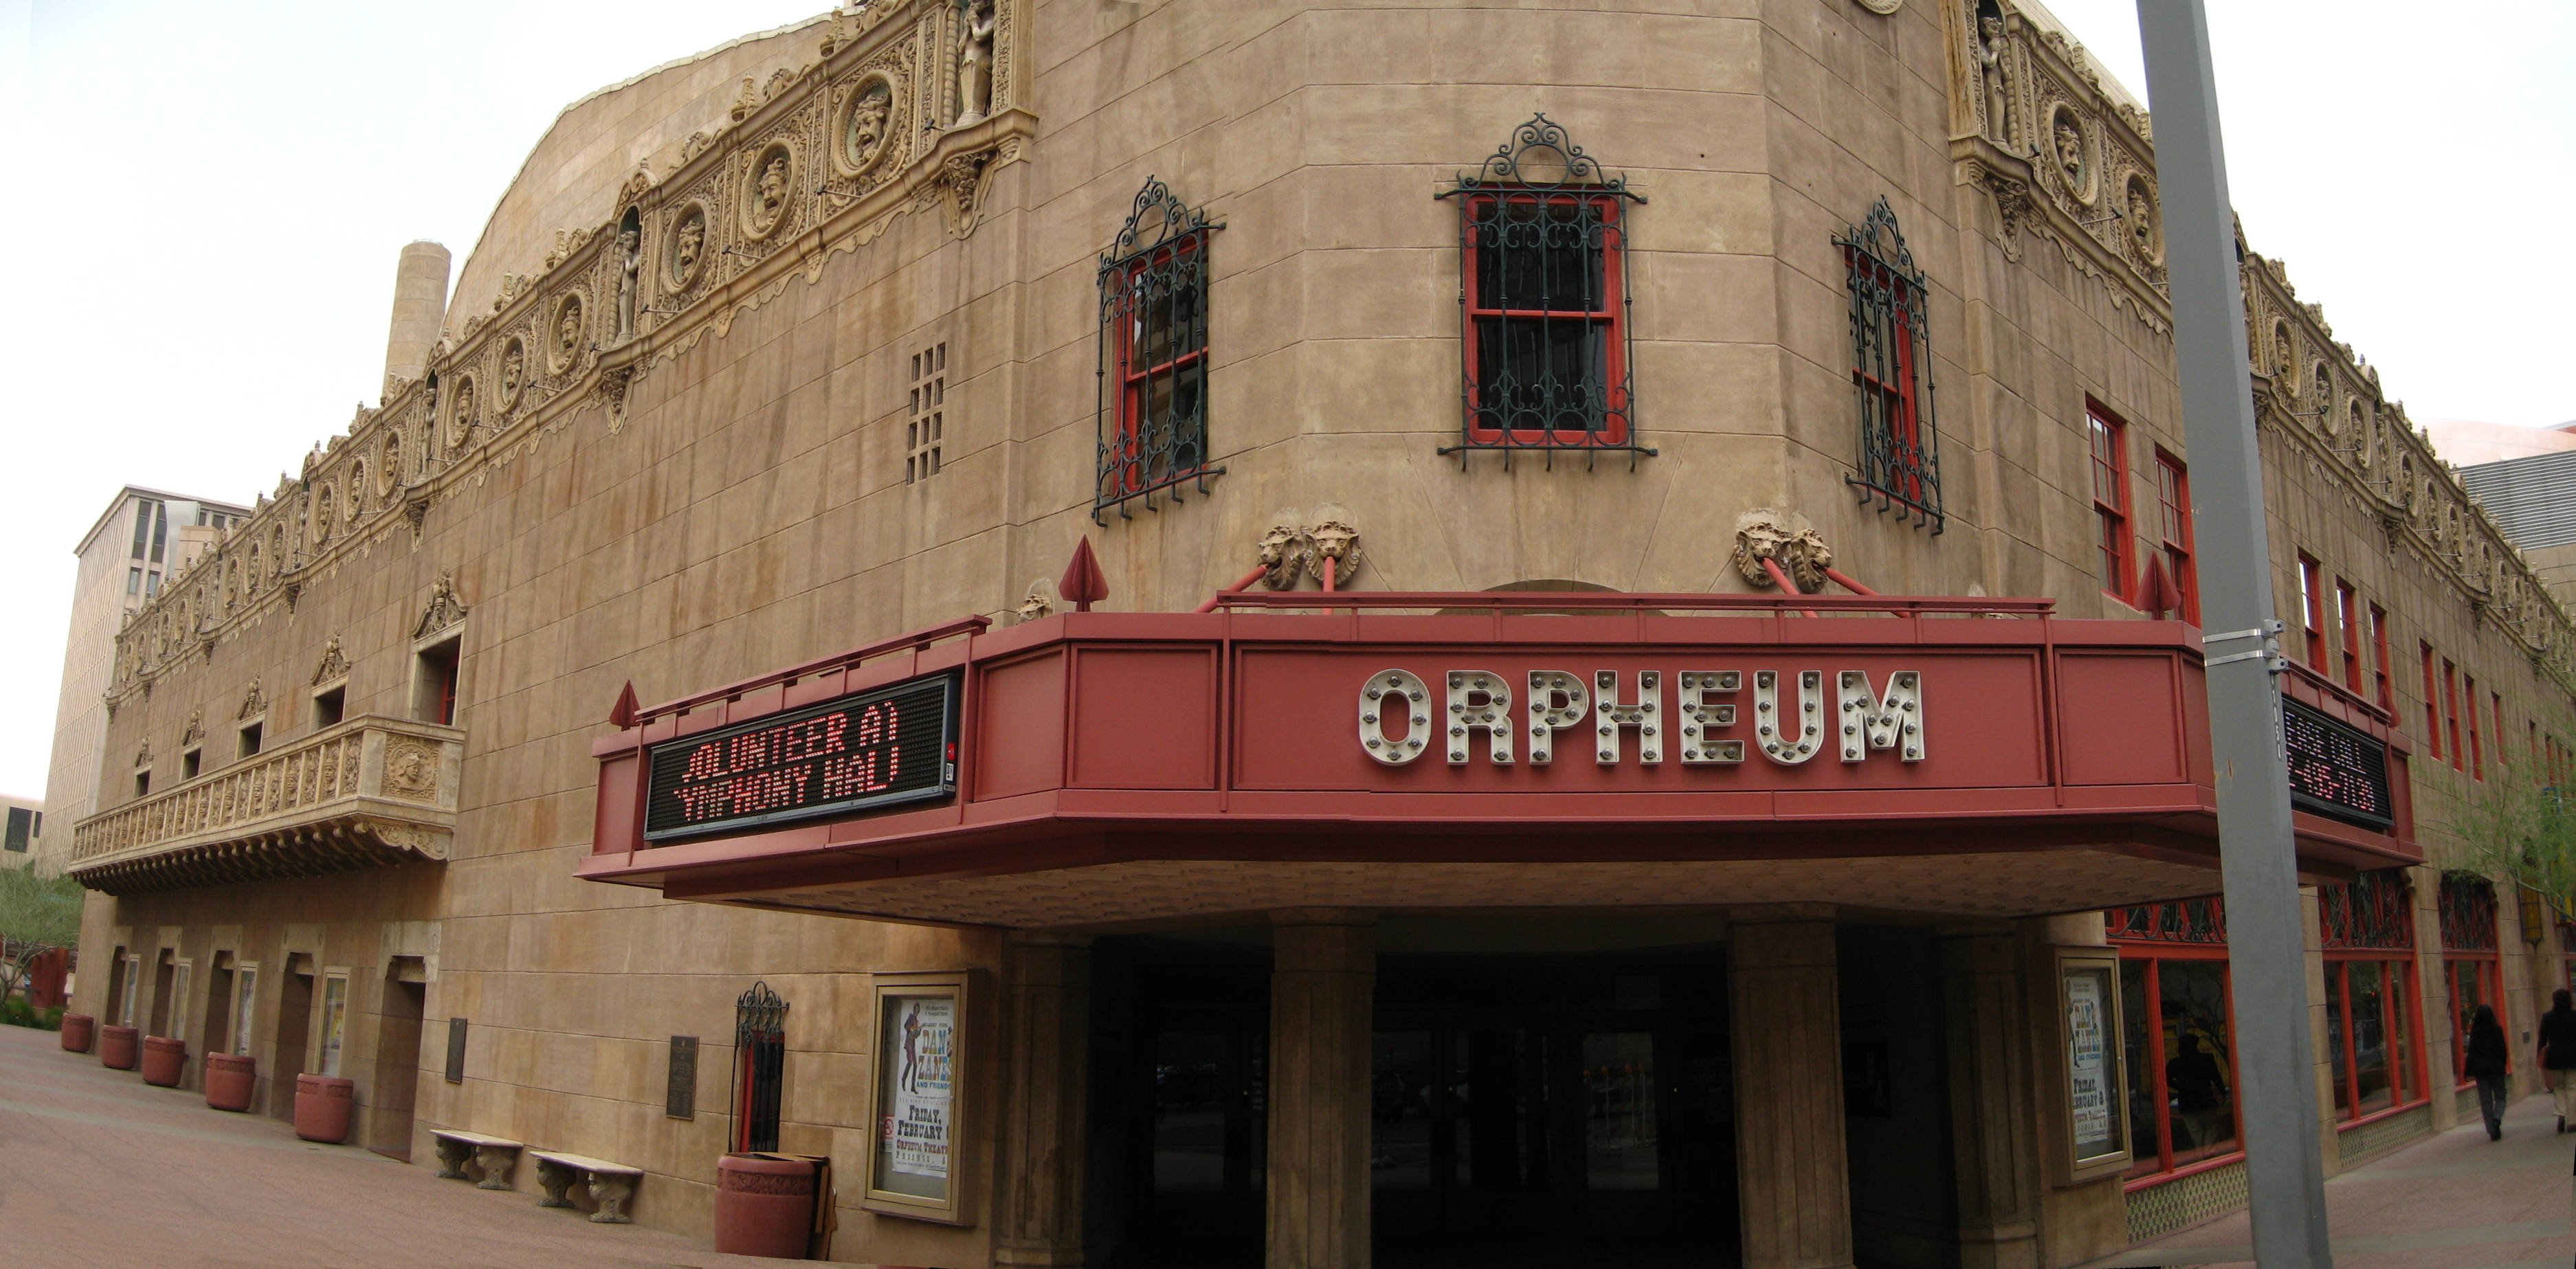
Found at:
<point>99,1169</point>
<point>2453,1201</point>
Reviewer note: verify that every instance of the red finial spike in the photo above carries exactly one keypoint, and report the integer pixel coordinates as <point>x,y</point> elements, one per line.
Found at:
<point>2157,592</point>
<point>1083,583</point>
<point>622,714</point>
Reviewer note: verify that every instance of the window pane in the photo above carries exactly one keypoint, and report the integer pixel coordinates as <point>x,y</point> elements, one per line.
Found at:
<point>2338,1022</point>
<point>2138,1025</point>
<point>1539,256</point>
<point>2369,1004</point>
<point>2199,1079</point>
<point>1189,1112</point>
<point>1619,1111</point>
<point>1400,1110</point>
<point>1541,374</point>
<point>2464,1008</point>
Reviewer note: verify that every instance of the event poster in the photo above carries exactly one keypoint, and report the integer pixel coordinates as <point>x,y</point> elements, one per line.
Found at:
<point>2092,1101</point>
<point>919,1104</point>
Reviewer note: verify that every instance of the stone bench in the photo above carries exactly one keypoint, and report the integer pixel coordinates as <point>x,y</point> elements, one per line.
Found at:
<point>611,1184</point>
<point>495,1155</point>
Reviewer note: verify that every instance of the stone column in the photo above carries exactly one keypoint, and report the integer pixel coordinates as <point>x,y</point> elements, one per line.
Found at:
<point>1792,1173</point>
<point>1322,992</point>
<point>1982,995</point>
<point>1046,1123</point>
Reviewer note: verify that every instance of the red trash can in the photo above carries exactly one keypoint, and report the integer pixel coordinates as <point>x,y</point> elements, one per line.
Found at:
<point>764,1205</point>
<point>323,1107</point>
<point>117,1046</point>
<point>231,1080</point>
<point>164,1060</point>
<point>78,1030</point>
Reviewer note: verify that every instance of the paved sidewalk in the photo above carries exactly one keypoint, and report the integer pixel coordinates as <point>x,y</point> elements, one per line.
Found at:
<point>2453,1201</point>
<point>99,1169</point>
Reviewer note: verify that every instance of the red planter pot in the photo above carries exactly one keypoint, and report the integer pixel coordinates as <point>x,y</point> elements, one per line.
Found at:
<point>764,1206</point>
<point>164,1060</point>
<point>231,1080</point>
<point>79,1029</point>
<point>117,1047</point>
<point>324,1105</point>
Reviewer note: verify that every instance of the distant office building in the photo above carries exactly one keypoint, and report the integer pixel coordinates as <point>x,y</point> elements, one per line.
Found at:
<point>144,536</point>
<point>2534,501</point>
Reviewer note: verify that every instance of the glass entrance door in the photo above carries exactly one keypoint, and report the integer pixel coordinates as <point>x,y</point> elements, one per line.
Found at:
<point>1535,1121</point>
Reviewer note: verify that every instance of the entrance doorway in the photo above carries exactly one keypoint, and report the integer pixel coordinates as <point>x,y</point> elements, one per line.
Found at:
<point>1561,1110</point>
<point>397,1060</point>
<point>294,1022</point>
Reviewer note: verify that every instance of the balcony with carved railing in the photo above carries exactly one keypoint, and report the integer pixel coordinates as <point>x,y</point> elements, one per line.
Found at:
<point>371,792</point>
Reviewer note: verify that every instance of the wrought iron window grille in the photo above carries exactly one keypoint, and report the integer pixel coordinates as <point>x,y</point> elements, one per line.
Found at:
<point>1900,466</point>
<point>2468,908</point>
<point>760,1048</point>
<point>2202,921</point>
<point>1151,414</point>
<point>2375,910</point>
<point>1544,346</point>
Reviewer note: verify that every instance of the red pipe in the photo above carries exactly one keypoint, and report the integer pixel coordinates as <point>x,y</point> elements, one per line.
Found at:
<point>1781,576</point>
<point>1236,589</point>
<point>1844,580</point>
<point>1329,562</point>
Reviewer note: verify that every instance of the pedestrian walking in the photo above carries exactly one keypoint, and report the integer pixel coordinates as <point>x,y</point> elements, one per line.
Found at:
<point>2486,1065</point>
<point>2558,1052</point>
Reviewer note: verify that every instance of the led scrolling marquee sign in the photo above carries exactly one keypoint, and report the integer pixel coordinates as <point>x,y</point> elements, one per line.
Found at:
<point>867,750</point>
<point>2337,771</point>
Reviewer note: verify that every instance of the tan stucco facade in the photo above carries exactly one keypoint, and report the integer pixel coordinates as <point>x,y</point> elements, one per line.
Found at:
<point>692,469</point>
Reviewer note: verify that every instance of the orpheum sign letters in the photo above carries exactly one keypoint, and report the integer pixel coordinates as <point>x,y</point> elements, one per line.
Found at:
<point>857,752</point>
<point>1787,716</point>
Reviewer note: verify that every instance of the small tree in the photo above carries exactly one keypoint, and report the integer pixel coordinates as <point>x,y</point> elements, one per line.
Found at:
<point>2524,834</point>
<point>37,914</point>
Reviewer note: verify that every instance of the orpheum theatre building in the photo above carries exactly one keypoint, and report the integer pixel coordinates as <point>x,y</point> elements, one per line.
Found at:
<point>1313,637</point>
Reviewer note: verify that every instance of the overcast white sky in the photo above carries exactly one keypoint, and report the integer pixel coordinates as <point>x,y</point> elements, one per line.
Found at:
<point>207,202</point>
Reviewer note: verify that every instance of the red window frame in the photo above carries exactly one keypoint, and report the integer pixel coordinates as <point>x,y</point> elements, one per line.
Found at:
<point>2495,717</point>
<point>2312,612</point>
<point>2477,746</point>
<point>2485,972</point>
<point>2380,670</point>
<point>1611,317</point>
<point>1134,381</point>
<point>2154,1162</point>
<point>2409,1078</point>
<point>2348,615</point>
<point>2451,712</point>
<point>2173,499</point>
<point>2107,441</point>
<point>2432,704</point>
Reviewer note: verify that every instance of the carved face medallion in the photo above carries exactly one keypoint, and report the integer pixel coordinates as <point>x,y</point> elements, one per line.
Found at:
<point>688,246</point>
<point>514,372</point>
<point>865,137</point>
<point>567,337</point>
<point>2070,150</point>
<point>460,414</point>
<point>770,198</point>
<point>2144,233</point>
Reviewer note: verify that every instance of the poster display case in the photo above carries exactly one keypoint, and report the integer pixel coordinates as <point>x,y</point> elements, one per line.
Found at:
<point>2087,1107</point>
<point>921,1165</point>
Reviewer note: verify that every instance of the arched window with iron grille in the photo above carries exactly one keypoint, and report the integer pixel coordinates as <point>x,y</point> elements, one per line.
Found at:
<point>1543,280</point>
<point>1153,402</point>
<point>760,1056</point>
<point>1900,467</point>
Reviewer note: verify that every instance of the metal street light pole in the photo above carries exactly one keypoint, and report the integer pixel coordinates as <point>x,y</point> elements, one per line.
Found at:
<point>2266,953</point>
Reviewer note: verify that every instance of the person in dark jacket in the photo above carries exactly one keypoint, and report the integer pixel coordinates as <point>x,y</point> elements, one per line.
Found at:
<point>2486,1065</point>
<point>2558,1053</point>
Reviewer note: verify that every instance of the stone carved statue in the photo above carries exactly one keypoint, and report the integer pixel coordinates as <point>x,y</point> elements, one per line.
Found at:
<point>975,61</point>
<point>630,263</point>
<point>770,196</point>
<point>1994,71</point>
<point>2070,152</point>
<point>866,136</point>
<point>689,245</point>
